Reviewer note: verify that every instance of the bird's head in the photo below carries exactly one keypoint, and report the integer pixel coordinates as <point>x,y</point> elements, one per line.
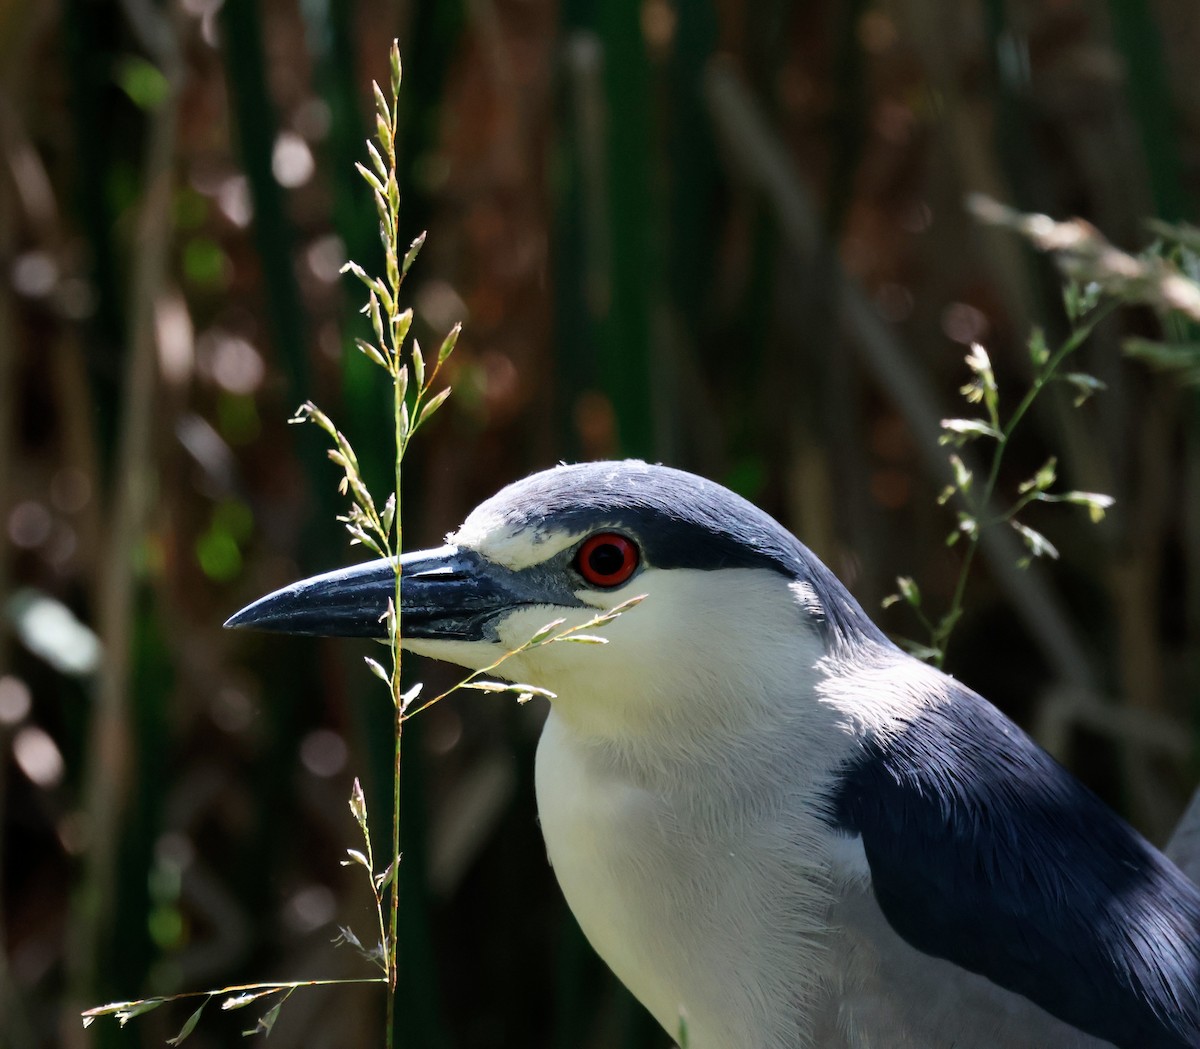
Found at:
<point>734,605</point>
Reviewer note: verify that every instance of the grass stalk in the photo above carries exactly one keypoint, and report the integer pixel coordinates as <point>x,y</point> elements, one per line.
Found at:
<point>380,530</point>
<point>978,514</point>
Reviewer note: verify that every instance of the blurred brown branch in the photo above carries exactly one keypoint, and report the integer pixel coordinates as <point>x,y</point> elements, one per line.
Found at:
<point>107,776</point>
<point>1084,255</point>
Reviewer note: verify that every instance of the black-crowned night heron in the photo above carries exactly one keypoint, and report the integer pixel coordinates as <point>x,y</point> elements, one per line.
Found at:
<point>766,817</point>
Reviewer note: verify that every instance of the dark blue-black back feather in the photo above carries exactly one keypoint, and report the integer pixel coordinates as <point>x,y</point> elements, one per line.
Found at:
<point>983,850</point>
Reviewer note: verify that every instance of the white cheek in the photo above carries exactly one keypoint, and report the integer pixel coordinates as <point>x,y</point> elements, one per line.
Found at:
<point>686,655</point>
<point>513,632</point>
<point>474,655</point>
<point>554,664</point>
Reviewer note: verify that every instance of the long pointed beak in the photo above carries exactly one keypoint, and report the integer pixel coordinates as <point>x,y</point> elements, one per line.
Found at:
<point>449,594</point>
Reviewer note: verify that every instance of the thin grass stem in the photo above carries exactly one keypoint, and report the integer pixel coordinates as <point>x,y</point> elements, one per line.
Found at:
<point>1046,373</point>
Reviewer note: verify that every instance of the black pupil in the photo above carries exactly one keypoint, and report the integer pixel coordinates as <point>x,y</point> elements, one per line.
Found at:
<point>607,559</point>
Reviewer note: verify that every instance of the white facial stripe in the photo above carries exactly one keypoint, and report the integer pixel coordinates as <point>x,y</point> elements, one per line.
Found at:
<point>474,531</point>
<point>488,535</point>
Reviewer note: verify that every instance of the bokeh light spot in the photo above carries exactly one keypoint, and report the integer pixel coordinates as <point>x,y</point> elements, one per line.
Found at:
<point>292,161</point>
<point>323,752</point>
<point>218,555</point>
<point>15,700</point>
<point>29,524</point>
<point>38,756</point>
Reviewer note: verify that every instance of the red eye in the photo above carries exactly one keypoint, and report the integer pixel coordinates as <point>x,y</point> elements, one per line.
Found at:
<point>606,559</point>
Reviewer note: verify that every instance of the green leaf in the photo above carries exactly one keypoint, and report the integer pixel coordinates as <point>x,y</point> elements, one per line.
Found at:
<point>346,936</point>
<point>1079,301</point>
<point>368,177</point>
<point>358,804</point>
<point>414,249</point>
<point>381,105</point>
<point>1039,352</point>
<point>978,360</point>
<point>909,590</point>
<point>526,692</point>
<point>432,405</point>
<point>359,536</point>
<point>389,513</point>
<point>377,161</point>
<point>138,1009</point>
<point>948,622</point>
<point>540,635</point>
<point>370,352</point>
<point>240,1001</point>
<point>681,1039</point>
<point>350,266</point>
<point>397,69</point>
<point>1181,357</point>
<point>1043,479</point>
<point>376,318</point>
<point>959,431</point>
<point>393,196</point>
<point>483,685</point>
<point>418,362</point>
<point>1182,233</point>
<point>393,271</point>
<point>1096,503</point>
<point>143,82</point>
<point>1038,544</point>
<point>922,652</point>
<point>962,476</point>
<point>356,857</point>
<point>383,132</point>
<point>400,325</point>
<point>1085,385</point>
<point>448,343</point>
<point>384,878</point>
<point>407,698</point>
<point>309,412</point>
<point>617,610</point>
<point>584,639</point>
<point>189,1026</point>
<point>504,686</point>
<point>266,1022</point>
<point>377,670</point>
<point>983,388</point>
<point>123,1011</point>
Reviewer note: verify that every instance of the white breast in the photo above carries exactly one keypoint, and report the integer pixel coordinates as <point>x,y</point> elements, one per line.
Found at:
<point>700,913</point>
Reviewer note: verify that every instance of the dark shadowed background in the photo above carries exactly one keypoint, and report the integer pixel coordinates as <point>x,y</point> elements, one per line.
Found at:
<point>728,236</point>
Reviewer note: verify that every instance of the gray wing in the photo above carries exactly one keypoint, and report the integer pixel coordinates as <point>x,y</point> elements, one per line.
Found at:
<point>889,995</point>
<point>985,853</point>
<point>1184,846</point>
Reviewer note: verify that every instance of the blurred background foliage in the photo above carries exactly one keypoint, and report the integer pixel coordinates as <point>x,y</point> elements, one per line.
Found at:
<point>725,235</point>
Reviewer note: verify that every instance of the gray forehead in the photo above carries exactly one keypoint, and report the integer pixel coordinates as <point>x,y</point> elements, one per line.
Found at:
<point>679,519</point>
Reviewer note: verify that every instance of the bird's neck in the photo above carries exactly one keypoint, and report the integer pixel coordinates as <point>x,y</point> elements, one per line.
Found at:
<point>761,734</point>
